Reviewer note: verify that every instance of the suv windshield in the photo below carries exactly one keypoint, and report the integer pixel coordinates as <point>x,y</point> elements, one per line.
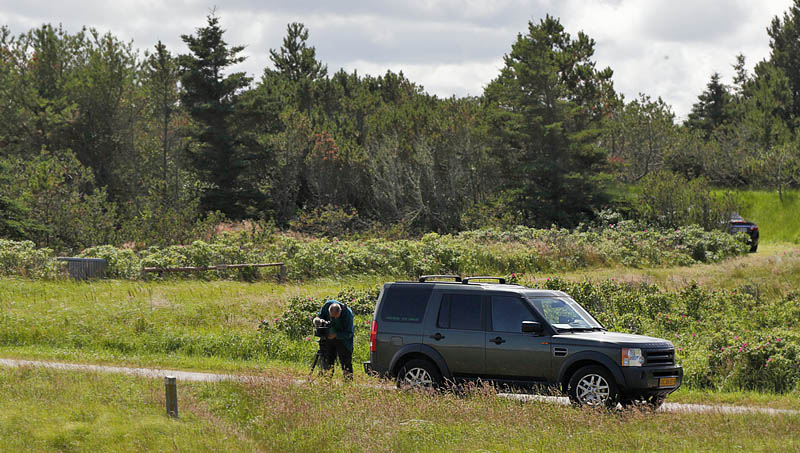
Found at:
<point>564,313</point>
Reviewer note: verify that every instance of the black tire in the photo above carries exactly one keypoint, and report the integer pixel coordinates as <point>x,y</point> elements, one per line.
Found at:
<point>419,374</point>
<point>593,386</point>
<point>753,248</point>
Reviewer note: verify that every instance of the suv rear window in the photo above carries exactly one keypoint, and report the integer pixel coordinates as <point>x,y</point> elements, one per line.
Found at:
<point>405,303</point>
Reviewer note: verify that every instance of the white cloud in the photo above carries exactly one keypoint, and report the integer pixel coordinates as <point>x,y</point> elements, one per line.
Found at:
<point>443,80</point>
<point>666,48</point>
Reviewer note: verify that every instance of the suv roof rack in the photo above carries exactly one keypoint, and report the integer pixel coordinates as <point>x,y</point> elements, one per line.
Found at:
<point>500,280</point>
<point>425,278</point>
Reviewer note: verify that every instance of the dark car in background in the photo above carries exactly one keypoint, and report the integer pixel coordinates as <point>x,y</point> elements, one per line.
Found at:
<point>432,332</point>
<point>738,224</point>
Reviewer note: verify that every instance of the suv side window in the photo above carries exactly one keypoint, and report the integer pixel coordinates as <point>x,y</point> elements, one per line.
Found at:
<point>460,311</point>
<point>405,303</point>
<point>508,312</point>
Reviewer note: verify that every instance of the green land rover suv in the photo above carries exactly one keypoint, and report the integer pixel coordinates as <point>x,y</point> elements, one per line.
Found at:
<point>433,332</point>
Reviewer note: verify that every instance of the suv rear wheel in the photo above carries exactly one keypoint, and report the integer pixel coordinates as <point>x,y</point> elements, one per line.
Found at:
<point>593,386</point>
<point>418,374</point>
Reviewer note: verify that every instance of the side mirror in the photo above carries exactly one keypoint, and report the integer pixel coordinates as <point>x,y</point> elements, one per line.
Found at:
<point>532,327</point>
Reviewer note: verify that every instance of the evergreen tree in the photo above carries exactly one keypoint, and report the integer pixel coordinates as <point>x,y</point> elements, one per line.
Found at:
<point>712,109</point>
<point>785,44</point>
<point>162,77</point>
<point>211,98</point>
<point>768,100</point>
<point>546,113</point>
<point>295,60</point>
<point>15,221</point>
<point>296,68</point>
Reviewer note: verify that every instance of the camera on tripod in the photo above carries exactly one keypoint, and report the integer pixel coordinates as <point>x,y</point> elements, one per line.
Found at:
<point>321,327</point>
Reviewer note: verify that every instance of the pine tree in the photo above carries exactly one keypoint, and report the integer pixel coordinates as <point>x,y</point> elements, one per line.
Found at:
<point>295,59</point>
<point>211,98</point>
<point>546,110</point>
<point>162,77</point>
<point>785,44</point>
<point>712,109</point>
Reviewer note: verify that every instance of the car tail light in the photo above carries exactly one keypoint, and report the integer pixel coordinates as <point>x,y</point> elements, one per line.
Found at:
<point>373,337</point>
<point>755,228</point>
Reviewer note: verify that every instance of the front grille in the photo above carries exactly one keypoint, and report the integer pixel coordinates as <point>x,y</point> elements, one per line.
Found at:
<point>660,357</point>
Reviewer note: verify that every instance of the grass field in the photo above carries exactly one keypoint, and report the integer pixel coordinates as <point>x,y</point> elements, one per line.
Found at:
<point>776,219</point>
<point>774,271</point>
<point>45,410</point>
<point>213,326</point>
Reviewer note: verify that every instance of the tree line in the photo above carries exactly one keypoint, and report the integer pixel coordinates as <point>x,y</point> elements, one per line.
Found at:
<point>102,144</point>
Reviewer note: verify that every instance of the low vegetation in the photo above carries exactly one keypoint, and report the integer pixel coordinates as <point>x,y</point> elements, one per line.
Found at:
<point>740,338</point>
<point>776,215</point>
<point>122,413</point>
<point>46,410</point>
<point>484,251</point>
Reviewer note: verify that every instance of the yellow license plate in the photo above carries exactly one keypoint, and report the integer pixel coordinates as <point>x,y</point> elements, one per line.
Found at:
<point>667,382</point>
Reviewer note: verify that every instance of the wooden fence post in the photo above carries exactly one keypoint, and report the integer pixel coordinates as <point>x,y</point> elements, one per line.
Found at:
<point>172,396</point>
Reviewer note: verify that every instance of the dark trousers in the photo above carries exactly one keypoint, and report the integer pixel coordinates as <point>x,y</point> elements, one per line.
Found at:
<point>333,348</point>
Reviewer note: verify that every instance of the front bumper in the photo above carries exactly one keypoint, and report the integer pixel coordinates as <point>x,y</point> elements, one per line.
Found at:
<point>652,380</point>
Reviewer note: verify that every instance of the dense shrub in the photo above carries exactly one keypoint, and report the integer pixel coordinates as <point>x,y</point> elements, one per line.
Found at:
<point>669,200</point>
<point>727,340</point>
<point>295,322</point>
<point>487,251</point>
<point>120,263</point>
<point>24,259</point>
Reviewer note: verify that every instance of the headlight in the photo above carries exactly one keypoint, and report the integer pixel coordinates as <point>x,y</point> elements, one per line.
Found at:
<point>632,357</point>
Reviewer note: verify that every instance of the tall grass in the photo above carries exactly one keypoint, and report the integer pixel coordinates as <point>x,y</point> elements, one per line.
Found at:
<point>283,416</point>
<point>47,410</point>
<point>192,323</point>
<point>777,220</point>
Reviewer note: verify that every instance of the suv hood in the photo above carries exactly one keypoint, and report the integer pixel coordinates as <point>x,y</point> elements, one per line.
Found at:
<point>611,338</point>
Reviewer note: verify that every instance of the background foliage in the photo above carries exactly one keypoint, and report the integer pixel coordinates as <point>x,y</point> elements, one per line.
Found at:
<point>104,144</point>
<point>486,251</point>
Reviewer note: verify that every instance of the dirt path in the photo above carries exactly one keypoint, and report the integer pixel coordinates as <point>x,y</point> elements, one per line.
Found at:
<point>194,376</point>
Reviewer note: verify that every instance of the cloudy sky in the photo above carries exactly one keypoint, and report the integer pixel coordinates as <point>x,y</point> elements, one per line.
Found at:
<point>666,48</point>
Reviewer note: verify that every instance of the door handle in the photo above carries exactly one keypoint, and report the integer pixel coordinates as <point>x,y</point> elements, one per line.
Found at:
<point>437,336</point>
<point>497,340</point>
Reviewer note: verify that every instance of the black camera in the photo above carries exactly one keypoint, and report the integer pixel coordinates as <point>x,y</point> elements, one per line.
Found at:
<point>321,327</point>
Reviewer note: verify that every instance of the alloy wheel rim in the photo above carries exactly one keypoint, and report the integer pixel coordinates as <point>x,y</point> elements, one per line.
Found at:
<point>418,378</point>
<point>593,390</point>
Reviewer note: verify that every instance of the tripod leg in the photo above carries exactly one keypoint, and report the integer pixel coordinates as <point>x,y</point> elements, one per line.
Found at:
<point>314,363</point>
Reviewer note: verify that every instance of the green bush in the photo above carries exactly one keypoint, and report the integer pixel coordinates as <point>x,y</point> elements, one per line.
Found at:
<point>120,263</point>
<point>757,361</point>
<point>488,251</point>
<point>669,200</point>
<point>295,322</point>
<point>22,258</point>
<point>729,340</point>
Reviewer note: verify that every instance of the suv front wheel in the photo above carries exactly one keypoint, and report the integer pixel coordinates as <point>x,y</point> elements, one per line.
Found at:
<point>418,374</point>
<point>593,386</point>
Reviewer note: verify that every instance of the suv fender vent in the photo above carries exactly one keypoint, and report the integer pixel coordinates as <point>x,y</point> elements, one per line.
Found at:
<point>560,352</point>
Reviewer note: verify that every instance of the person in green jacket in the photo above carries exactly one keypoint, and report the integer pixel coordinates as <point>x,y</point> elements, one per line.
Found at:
<point>340,338</point>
